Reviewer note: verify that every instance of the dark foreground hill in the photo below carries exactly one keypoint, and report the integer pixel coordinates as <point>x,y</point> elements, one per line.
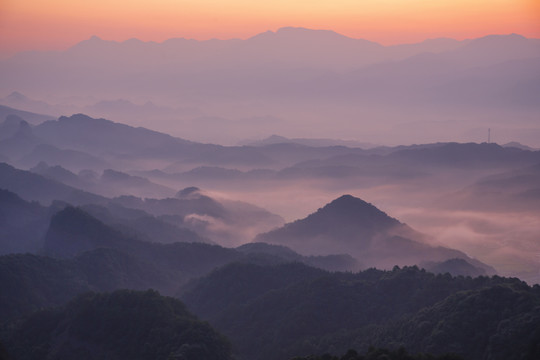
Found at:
<point>377,353</point>
<point>31,282</point>
<point>285,311</point>
<point>121,325</point>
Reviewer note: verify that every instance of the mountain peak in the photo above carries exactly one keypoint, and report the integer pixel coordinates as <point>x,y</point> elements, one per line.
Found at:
<point>303,30</point>
<point>348,207</point>
<point>16,96</point>
<point>83,119</point>
<point>344,220</point>
<point>309,36</point>
<point>488,41</point>
<point>75,117</point>
<point>188,192</point>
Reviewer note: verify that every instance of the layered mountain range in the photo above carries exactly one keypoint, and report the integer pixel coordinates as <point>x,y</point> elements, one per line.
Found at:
<point>310,242</point>
<point>78,218</point>
<point>281,81</point>
<point>132,179</point>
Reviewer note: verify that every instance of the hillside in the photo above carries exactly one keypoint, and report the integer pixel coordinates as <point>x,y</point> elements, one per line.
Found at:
<point>268,315</point>
<point>119,325</point>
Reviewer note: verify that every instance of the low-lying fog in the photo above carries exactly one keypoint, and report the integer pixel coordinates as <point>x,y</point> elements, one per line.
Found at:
<point>503,236</point>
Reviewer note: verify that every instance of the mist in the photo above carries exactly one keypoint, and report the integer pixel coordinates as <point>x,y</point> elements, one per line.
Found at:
<point>291,82</point>
<point>300,192</point>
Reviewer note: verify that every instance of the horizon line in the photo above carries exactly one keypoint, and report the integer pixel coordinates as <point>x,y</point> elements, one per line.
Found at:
<point>98,37</point>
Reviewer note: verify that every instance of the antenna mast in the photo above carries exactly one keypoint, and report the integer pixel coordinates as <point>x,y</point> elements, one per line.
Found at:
<point>489,135</point>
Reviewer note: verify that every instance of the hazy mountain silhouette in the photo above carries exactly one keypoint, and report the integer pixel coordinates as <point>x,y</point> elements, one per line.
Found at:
<point>518,145</point>
<point>34,187</point>
<point>141,225</point>
<point>111,183</point>
<point>342,216</point>
<point>20,101</point>
<point>276,139</point>
<point>469,155</point>
<point>21,142</point>
<point>226,222</point>
<point>22,224</point>
<point>10,126</point>
<point>126,111</point>
<point>60,174</point>
<point>73,232</point>
<point>284,254</point>
<point>116,182</point>
<point>118,142</point>
<point>352,226</point>
<point>455,267</point>
<point>32,118</point>
<point>97,136</point>
<point>26,149</point>
<point>294,68</point>
<point>72,159</point>
<point>94,143</point>
<point>409,162</point>
<point>514,190</point>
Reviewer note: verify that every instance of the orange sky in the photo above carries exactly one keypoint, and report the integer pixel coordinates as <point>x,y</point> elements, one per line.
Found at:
<point>58,24</point>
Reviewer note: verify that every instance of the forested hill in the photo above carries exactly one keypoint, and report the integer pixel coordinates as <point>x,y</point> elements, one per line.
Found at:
<point>277,313</point>
<point>121,325</point>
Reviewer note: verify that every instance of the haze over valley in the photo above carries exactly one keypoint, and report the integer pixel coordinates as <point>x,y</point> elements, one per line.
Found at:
<point>297,194</point>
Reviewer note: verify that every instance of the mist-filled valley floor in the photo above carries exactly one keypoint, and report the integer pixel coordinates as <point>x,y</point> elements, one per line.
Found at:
<point>256,199</point>
<point>287,249</point>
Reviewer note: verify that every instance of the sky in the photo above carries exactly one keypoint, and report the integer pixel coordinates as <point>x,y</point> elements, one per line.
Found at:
<point>59,24</point>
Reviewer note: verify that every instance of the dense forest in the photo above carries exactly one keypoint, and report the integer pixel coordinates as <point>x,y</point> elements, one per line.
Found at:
<point>275,310</point>
<point>378,353</point>
<point>286,310</point>
<point>119,325</point>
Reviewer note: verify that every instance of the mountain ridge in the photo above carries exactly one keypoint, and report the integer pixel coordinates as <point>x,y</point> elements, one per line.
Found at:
<point>298,31</point>
<point>353,226</point>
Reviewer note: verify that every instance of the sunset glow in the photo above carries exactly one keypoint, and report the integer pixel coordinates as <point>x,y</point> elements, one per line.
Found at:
<point>58,24</point>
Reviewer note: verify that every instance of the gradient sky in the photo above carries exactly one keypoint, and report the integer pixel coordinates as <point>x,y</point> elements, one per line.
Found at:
<point>58,24</point>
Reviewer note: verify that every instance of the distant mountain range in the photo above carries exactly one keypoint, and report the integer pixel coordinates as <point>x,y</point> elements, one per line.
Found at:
<point>276,139</point>
<point>80,142</point>
<point>280,81</point>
